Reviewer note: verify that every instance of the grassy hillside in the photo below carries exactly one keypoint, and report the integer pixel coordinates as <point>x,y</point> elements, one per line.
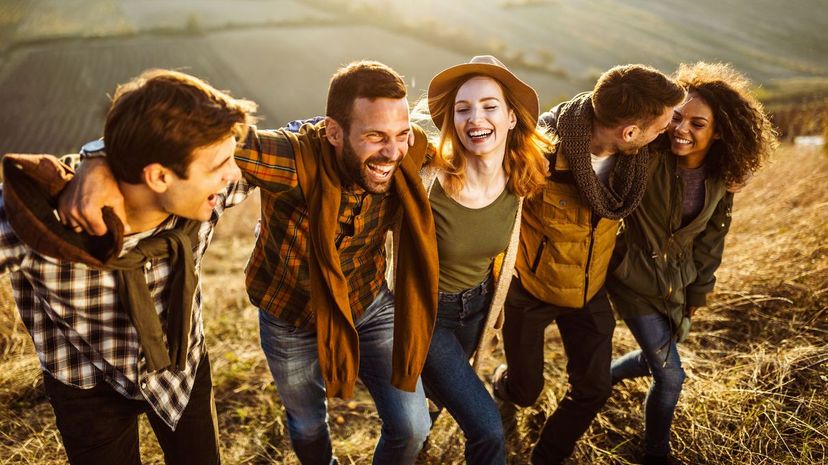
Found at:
<point>756,361</point>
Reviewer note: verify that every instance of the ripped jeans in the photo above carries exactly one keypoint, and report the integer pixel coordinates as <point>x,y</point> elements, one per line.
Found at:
<point>658,357</point>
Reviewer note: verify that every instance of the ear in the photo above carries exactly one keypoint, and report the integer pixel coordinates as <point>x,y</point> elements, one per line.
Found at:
<point>512,119</point>
<point>717,135</point>
<point>334,133</point>
<point>157,177</point>
<point>630,132</point>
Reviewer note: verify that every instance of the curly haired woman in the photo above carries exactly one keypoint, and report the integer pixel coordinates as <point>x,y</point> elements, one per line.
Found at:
<point>665,259</point>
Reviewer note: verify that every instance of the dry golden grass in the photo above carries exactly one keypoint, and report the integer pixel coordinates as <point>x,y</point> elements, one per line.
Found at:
<point>757,361</point>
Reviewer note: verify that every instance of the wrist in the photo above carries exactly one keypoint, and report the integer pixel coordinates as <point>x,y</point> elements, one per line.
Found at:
<point>93,150</point>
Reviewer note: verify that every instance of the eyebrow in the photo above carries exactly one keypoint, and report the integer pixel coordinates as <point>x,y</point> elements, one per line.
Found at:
<point>380,131</point>
<point>220,164</point>
<point>482,100</point>
<point>694,117</point>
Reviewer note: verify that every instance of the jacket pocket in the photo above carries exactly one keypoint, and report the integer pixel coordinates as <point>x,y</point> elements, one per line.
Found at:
<point>638,271</point>
<point>560,207</point>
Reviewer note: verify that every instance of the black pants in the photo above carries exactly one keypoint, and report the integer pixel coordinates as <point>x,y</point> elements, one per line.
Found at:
<point>587,340</point>
<point>99,426</point>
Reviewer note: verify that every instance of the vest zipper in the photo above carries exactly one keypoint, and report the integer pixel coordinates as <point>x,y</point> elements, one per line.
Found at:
<point>594,225</point>
<point>670,231</point>
<point>536,263</point>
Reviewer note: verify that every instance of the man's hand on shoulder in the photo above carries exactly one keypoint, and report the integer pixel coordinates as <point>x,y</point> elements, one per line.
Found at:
<point>93,187</point>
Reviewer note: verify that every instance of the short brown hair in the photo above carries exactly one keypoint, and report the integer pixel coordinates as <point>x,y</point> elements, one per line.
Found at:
<point>361,79</point>
<point>162,116</point>
<point>633,94</point>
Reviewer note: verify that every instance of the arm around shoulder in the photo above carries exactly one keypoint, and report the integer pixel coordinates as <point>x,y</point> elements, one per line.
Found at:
<point>267,160</point>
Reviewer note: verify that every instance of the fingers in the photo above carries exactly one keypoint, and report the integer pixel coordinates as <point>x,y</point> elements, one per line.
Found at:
<point>74,218</point>
<point>80,204</point>
<point>120,211</point>
<point>87,220</point>
<point>92,222</point>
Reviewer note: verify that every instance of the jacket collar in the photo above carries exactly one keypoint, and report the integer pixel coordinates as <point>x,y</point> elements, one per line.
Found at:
<point>31,186</point>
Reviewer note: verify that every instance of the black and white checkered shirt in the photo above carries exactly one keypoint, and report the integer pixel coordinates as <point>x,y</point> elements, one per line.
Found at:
<point>81,337</point>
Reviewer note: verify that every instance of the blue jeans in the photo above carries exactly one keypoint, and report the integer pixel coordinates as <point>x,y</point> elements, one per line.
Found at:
<point>451,382</point>
<point>294,363</point>
<point>658,356</point>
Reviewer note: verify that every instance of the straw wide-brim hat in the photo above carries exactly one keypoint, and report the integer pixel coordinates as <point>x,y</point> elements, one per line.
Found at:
<point>482,65</point>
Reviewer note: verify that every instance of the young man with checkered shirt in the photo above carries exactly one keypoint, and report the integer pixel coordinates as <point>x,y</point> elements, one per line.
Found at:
<point>116,319</point>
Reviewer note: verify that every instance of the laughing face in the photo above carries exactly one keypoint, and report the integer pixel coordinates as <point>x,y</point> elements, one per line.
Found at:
<point>482,118</point>
<point>211,169</point>
<point>692,131</point>
<point>376,142</point>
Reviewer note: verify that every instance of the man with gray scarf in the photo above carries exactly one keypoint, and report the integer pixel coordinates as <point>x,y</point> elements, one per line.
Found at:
<point>597,177</point>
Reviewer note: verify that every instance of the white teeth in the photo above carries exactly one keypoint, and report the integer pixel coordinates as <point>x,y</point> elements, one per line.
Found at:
<point>382,170</point>
<point>480,132</point>
<point>679,140</point>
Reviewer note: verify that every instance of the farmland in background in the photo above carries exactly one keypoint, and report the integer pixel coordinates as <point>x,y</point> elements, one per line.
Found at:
<point>757,361</point>
<point>59,59</point>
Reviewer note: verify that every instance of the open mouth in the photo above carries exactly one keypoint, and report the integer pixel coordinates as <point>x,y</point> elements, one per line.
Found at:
<point>682,141</point>
<point>479,135</point>
<point>381,171</point>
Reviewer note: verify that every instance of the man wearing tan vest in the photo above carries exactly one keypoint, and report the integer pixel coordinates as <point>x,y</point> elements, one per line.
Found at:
<point>597,177</point>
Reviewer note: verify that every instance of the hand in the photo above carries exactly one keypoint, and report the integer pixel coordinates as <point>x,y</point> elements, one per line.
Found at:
<point>93,187</point>
<point>690,311</point>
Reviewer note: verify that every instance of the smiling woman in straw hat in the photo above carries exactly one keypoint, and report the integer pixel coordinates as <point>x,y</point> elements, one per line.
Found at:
<point>489,156</point>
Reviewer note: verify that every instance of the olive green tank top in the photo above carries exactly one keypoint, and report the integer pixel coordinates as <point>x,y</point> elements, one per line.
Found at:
<point>468,239</point>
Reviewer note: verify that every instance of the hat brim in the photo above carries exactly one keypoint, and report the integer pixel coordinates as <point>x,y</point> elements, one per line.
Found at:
<point>449,77</point>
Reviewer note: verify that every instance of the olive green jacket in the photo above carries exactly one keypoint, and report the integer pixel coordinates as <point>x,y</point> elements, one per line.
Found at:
<point>659,266</point>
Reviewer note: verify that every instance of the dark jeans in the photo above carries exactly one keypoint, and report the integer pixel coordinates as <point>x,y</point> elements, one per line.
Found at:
<point>99,426</point>
<point>587,339</point>
<point>658,356</point>
<point>452,383</point>
<point>293,357</point>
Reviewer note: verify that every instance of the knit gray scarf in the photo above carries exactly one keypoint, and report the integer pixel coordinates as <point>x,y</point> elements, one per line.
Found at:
<point>628,179</point>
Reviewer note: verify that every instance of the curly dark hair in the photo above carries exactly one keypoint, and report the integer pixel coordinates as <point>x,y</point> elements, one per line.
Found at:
<point>747,137</point>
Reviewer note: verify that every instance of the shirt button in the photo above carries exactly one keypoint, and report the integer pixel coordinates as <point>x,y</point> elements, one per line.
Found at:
<point>148,266</point>
<point>143,385</point>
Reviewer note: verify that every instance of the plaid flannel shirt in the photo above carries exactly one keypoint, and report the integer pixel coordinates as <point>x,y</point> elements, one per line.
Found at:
<point>80,335</point>
<point>277,274</point>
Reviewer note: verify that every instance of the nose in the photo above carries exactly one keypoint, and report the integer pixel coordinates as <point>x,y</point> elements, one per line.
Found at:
<point>475,114</point>
<point>233,172</point>
<point>394,150</point>
<point>680,126</point>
